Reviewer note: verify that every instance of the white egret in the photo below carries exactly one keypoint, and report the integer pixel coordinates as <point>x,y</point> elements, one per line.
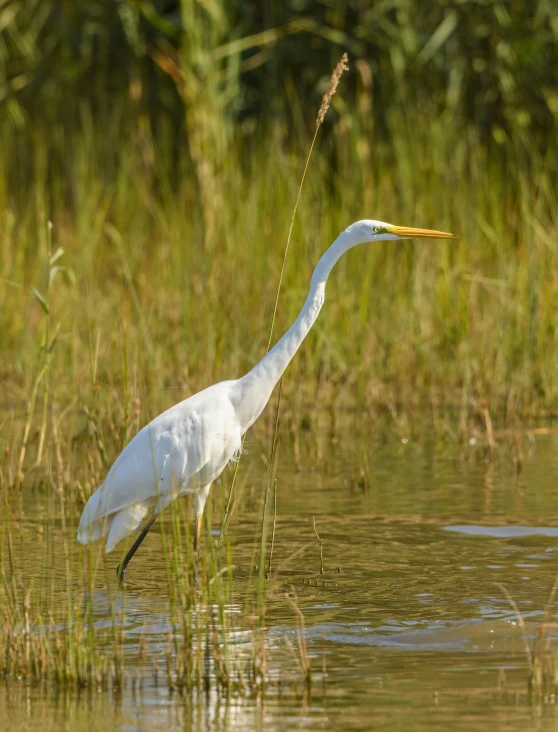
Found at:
<point>186,448</point>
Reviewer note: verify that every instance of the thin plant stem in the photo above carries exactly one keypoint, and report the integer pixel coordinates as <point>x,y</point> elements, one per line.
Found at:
<point>274,522</point>
<point>326,101</point>
<point>520,622</point>
<point>228,507</point>
<point>271,469</point>
<point>289,235</point>
<point>544,622</point>
<point>47,348</point>
<point>322,542</point>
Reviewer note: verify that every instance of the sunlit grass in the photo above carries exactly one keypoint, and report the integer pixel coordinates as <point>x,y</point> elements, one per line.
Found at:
<point>414,336</point>
<point>72,622</point>
<point>155,310</point>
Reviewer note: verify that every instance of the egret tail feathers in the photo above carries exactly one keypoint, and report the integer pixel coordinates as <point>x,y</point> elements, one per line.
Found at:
<point>92,526</point>
<point>123,523</point>
<point>117,525</point>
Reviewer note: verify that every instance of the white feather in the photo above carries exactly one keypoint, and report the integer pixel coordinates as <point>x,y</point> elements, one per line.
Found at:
<point>187,447</point>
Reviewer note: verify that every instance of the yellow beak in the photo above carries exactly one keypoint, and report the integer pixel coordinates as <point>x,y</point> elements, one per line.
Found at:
<point>408,233</point>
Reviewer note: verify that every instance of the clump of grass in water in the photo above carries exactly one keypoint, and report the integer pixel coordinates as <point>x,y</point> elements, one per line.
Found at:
<point>76,636</point>
<point>542,659</point>
<point>72,632</point>
<point>54,638</point>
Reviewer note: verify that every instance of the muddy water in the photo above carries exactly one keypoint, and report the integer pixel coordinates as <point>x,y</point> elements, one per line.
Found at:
<point>407,627</point>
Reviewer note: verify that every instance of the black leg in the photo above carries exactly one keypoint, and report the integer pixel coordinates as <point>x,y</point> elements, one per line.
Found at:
<point>121,569</point>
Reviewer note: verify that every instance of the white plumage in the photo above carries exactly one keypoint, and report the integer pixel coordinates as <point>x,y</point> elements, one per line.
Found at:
<point>184,449</point>
<point>180,451</point>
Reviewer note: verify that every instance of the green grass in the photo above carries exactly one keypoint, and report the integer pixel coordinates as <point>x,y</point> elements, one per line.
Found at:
<point>69,623</point>
<point>155,304</point>
<point>152,309</point>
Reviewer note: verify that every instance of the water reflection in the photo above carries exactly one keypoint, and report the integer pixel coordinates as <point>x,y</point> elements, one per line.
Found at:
<point>407,621</point>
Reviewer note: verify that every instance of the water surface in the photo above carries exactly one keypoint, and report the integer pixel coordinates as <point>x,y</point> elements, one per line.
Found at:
<point>407,627</point>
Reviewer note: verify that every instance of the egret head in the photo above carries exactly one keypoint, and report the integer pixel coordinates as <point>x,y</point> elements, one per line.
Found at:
<point>370,230</point>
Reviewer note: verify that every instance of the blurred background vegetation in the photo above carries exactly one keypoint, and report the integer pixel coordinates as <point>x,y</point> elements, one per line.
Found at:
<point>489,64</point>
<point>164,68</point>
<point>165,141</point>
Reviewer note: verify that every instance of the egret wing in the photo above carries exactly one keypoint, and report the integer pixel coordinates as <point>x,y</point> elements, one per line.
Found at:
<point>183,448</point>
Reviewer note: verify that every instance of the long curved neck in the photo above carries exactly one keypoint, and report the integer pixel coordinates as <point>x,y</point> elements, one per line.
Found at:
<point>257,385</point>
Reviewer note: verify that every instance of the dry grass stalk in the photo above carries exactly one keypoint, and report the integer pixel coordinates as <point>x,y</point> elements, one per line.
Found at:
<point>342,66</point>
<point>302,658</point>
<point>326,101</point>
<point>489,428</point>
<point>274,523</point>
<point>322,542</point>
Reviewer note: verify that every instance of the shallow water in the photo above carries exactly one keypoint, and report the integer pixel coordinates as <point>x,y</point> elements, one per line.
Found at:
<point>407,622</point>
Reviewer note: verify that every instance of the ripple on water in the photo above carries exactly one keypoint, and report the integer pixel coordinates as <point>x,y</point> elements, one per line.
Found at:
<point>406,614</point>
<point>503,532</point>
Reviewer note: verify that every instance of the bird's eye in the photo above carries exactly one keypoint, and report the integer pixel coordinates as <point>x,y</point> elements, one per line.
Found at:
<point>377,229</point>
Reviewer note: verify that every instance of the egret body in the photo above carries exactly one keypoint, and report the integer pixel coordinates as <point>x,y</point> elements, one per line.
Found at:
<point>187,447</point>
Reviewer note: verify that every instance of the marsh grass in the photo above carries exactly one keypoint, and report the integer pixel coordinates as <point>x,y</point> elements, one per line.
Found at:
<point>412,333</point>
<point>542,656</point>
<point>69,650</point>
<point>55,637</point>
<point>169,296</point>
<point>69,624</point>
<point>543,660</point>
